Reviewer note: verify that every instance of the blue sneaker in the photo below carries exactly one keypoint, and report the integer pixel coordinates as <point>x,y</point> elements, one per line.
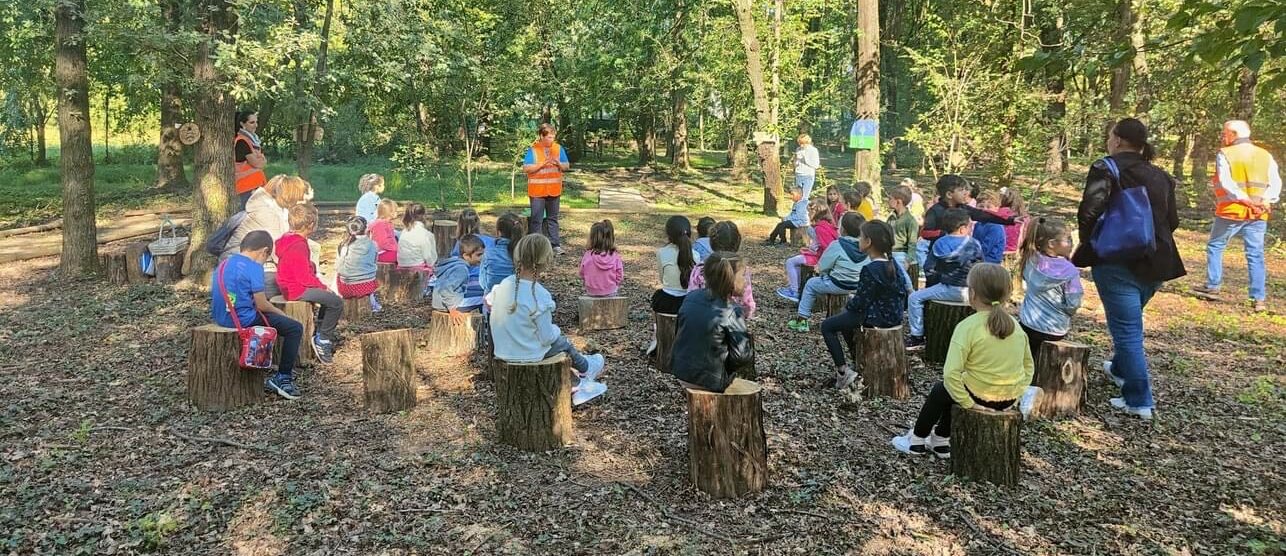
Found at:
<point>325,349</point>
<point>789,295</point>
<point>282,385</point>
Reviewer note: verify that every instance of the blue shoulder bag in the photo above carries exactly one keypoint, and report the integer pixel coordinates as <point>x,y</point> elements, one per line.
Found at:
<point>1129,234</point>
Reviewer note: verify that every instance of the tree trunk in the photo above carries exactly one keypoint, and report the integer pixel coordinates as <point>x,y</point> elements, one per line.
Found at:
<point>644,125</point>
<point>1177,156</point>
<point>1061,369</point>
<point>1247,79</point>
<point>357,309</point>
<point>603,313</point>
<point>302,313</point>
<point>214,195</point>
<point>169,160</point>
<point>665,330</point>
<point>727,447</point>
<point>534,403</point>
<point>807,60</point>
<point>1120,82</point>
<point>42,118</point>
<point>866,162</point>
<point>1142,76</point>
<point>679,124</point>
<point>388,370</point>
<point>769,164</point>
<point>940,320</point>
<point>216,382</point>
<point>76,161</point>
<point>884,364</point>
<point>738,158</point>
<point>985,445</point>
<point>448,338</point>
<point>304,157</point>
<point>1056,110</point>
<point>107,126</point>
<point>1203,145</point>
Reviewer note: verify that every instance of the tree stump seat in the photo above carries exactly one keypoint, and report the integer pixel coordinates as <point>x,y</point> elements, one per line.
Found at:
<point>1061,374</point>
<point>795,236</point>
<point>806,272</point>
<point>388,370</point>
<point>399,285</point>
<point>448,338</point>
<point>134,263</point>
<point>603,313</point>
<point>216,381</point>
<point>940,320</point>
<point>884,364</point>
<point>985,444</point>
<point>534,403</point>
<point>115,267</point>
<point>168,269</point>
<point>727,448</point>
<point>444,236</point>
<point>666,325</point>
<point>833,303</point>
<point>357,309</point>
<point>303,313</point>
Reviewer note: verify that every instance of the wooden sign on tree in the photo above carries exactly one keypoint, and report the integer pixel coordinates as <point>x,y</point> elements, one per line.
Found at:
<point>189,133</point>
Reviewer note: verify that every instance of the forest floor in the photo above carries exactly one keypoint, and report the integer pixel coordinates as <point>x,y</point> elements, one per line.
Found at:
<point>100,452</point>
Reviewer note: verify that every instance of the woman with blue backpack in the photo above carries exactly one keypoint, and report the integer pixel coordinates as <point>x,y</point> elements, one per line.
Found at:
<point>1127,219</point>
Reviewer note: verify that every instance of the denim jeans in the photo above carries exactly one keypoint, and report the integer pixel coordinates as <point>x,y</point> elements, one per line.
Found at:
<point>900,259</point>
<point>562,345</point>
<point>1252,237</point>
<point>805,183</point>
<point>289,333</point>
<point>814,287</point>
<point>936,292</point>
<point>1124,298</point>
<point>544,214</point>
<point>921,252</point>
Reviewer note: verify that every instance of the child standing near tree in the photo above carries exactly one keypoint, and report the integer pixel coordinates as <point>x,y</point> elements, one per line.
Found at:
<point>878,302</point>
<point>601,267</point>
<point>382,232</point>
<point>988,365</point>
<point>950,260</point>
<point>355,267</point>
<point>711,340</point>
<point>726,237</point>
<point>298,280</point>
<point>522,319</point>
<point>824,232</point>
<point>416,249</point>
<point>1052,282</point>
<point>371,186</point>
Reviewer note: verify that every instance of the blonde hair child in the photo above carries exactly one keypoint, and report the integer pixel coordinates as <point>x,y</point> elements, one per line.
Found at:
<point>371,186</point>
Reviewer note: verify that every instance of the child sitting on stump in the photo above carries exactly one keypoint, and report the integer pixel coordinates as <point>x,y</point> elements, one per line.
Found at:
<point>239,280</point>
<point>497,262</point>
<point>702,245</point>
<point>382,232</point>
<point>371,186</point>
<point>470,223</point>
<point>990,236</point>
<point>601,267</point>
<point>522,319</point>
<point>298,280</point>
<point>839,270</point>
<point>456,290</point>
<point>796,220</point>
<point>824,232</point>
<point>950,259</point>
<point>878,302</point>
<point>416,248</point>
<point>859,199</point>
<point>727,238</point>
<point>988,364</point>
<point>355,266</point>
<point>711,341</point>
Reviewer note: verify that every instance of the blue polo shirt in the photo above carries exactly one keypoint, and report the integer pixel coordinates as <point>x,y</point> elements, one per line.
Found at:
<point>243,278</point>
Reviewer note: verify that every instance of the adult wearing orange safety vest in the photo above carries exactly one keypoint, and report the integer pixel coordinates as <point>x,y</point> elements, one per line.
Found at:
<point>544,165</point>
<point>1246,185</point>
<point>248,156</point>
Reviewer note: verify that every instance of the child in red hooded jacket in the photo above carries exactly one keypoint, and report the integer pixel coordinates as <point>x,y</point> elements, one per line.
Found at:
<point>297,278</point>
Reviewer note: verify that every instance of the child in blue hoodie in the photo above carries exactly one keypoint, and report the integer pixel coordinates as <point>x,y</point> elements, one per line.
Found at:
<point>950,259</point>
<point>878,302</point>
<point>990,236</point>
<point>453,290</point>
<point>1052,282</point>
<point>497,262</point>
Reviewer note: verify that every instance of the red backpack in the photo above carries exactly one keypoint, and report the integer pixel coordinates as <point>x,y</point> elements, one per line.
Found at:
<point>256,341</point>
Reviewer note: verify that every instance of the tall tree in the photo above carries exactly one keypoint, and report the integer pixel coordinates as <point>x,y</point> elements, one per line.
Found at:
<point>80,233</point>
<point>169,160</point>
<point>304,157</point>
<point>1051,38</point>
<point>866,162</point>
<point>769,163</point>
<point>213,199</point>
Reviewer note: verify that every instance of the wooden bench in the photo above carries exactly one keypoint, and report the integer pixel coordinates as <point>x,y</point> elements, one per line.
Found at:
<point>448,338</point>
<point>727,448</point>
<point>303,313</point>
<point>388,370</point>
<point>603,313</point>
<point>534,403</point>
<point>1061,374</point>
<point>665,330</point>
<point>216,382</point>
<point>985,445</point>
<point>940,320</point>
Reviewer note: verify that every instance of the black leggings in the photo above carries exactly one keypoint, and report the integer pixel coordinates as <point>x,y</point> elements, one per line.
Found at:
<point>665,303</point>
<point>1036,337</point>
<point>937,411</point>
<point>780,231</point>
<point>844,325</point>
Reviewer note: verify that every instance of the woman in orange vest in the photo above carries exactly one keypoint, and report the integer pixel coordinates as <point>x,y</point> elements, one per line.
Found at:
<point>544,165</point>
<point>248,154</point>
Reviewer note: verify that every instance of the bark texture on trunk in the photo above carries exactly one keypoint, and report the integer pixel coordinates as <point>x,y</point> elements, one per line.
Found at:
<point>213,198</point>
<point>534,403</point>
<point>679,124</point>
<point>169,160</point>
<point>940,320</point>
<point>76,162</point>
<point>769,163</point>
<point>727,447</point>
<point>1061,374</point>
<point>884,363</point>
<point>866,162</point>
<point>1247,80</point>
<point>666,325</point>
<point>215,381</point>
<point>985,445</point>
<point>388,370</point>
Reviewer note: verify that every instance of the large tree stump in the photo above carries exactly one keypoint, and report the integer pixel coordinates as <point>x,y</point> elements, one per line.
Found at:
<point>665,330</point>
<point>448,338</point>
<point>388,370</point>
<point>169,268</point>
<point>405,286</point>
<point>216,382</point>
<point>534,403</point>
<point>806,272</point>
<point>985,444</point>
<point>833,303</point>
<point>357,309</point>
<point>302,313</point>
<point>115,267</point>
<point>884,367</point>
<point>384,275</point>
<point>444,237</point>
<point>1060,372</point>
<point>727,449</point>
<point>134,262</point>
<point>603,313</point>
<point>940,320</point>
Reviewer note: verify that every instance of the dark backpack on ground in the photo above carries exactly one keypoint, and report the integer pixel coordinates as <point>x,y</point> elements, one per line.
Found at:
<point>218,240</point>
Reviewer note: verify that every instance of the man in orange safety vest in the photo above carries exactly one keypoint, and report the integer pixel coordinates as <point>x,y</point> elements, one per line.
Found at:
<point>544,165</point>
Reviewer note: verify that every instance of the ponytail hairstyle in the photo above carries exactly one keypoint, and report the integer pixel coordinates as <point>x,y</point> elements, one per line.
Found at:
<point>602,237</point>
<point>851,224</point>
<point>509,227</point>
<point>533,252</point>
<point>371,182</point>
<point>415,212</point>
<point>821,211</point>
<point>1135,134</point>
<point>880,235</point>
<point>724,275</point>
<point>990,284</point>
<point>1011,198</point>
<point>356,227</point>
<point>1040,232</point>
<point>678,230</point>
<point>467,223</point>
<point>725,237</point>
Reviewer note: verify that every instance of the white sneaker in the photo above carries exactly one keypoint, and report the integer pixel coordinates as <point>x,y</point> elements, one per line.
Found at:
<point>845,379</point>
<point>1118,381</point>
<point>1028,401</point>
<point>939,446</point>
<point>1144,413</point>
<point>909,443</point>
<point>651,347</point>
<point>587,390</point>
<point>595,366</point>
<point>558,250</point>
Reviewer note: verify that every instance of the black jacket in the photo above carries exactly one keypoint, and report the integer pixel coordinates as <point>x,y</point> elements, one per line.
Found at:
<point>880,296</point>
<point>711,342</point>
<point>1165,263</point>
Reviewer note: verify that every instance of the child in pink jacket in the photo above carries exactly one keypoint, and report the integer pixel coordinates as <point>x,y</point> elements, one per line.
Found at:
<point>382,233</point>
<point>601,266</point>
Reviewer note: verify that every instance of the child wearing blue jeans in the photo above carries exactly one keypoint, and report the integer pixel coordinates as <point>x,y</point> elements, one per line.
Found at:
<point>239,279</point>
<point>950,259</point>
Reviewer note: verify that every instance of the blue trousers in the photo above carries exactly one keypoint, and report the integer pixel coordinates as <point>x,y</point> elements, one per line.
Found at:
<point>1252,237</point>
<point>289,333</point>
<point>1124,298</point>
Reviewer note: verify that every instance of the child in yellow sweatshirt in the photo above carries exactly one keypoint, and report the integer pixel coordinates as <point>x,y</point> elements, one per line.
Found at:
<point>989,364</point>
